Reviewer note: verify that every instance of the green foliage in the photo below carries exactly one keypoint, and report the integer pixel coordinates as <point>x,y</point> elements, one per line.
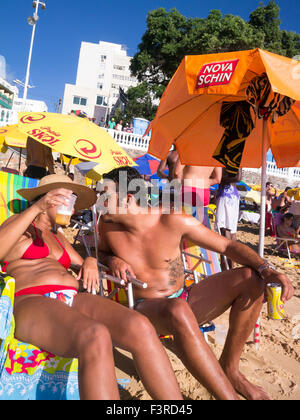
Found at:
<point>139,103</point>
<point>170,36</point>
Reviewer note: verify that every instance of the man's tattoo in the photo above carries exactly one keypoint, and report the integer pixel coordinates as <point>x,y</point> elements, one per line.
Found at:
<point>176,270</point>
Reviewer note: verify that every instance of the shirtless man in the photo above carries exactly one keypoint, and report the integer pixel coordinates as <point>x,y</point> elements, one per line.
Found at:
<point>147,246</point>
<point>170,163</point>
<point>196,182</point>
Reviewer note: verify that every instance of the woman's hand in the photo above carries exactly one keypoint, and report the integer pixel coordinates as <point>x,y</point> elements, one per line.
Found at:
<point>53,198</point>
<point>89,274</point>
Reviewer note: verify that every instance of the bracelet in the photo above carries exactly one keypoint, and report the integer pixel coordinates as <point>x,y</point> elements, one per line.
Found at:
<point>264,266</point>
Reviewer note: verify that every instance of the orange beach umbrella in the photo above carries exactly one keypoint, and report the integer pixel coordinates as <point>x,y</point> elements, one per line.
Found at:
<point>189,111</point>
<point>228,109</point>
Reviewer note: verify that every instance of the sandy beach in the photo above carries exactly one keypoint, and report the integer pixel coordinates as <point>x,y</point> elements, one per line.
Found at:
<point>274,366</point>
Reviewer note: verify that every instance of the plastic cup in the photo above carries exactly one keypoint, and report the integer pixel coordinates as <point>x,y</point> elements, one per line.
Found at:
<point>221,334</point>
<point>64,212</point>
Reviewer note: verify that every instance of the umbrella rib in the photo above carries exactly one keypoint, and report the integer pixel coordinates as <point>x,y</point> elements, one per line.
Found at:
<point>192,99</point>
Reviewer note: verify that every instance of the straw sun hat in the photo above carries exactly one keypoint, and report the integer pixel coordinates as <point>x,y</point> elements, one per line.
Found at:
<point>86,197</point>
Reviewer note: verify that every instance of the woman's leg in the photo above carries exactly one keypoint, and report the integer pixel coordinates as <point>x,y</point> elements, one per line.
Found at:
<point>61,330</point>
<point>133,332</point>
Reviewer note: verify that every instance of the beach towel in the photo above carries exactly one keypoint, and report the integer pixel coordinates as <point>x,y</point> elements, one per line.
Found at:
<point>10,201</point>
<point>27,372</point>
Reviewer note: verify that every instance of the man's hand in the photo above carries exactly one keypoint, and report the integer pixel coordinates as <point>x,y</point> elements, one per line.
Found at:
<point>89,274</point>
<point>271,276</point>
<point>119,268</point>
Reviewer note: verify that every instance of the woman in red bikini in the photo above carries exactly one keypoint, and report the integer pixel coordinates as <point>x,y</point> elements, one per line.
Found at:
<point>51,314</point>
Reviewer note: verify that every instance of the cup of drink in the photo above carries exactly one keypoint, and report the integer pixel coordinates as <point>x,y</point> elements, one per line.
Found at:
<point>64,212</point>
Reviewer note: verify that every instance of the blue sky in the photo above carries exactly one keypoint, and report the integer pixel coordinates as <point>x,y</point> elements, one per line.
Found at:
<point>65,23</point>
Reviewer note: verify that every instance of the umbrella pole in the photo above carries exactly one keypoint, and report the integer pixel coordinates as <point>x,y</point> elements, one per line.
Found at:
<point>20,155</point>
<point>262,214</point>
<point>263,190</point>
<point>68,166</point>
<point>95,229</point>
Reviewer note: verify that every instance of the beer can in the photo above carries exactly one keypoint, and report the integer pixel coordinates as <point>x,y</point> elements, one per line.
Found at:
<point>275,304</point>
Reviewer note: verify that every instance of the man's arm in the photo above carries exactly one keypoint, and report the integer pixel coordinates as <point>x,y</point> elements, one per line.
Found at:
<point>194,231</point>
<point>178,170</point>
<point>118,267</point>
<point>229,179</point>
<point>161,168</point>
<point>216,176</point>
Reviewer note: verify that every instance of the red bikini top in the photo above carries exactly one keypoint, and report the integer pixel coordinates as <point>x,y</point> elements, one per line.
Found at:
<point>39,249</point>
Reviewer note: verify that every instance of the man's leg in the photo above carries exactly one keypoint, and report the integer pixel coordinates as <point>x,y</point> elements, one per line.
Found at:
<point>243,291</point>
<point>133,332</point>
<point>239,289</point>
<point>174,316</point>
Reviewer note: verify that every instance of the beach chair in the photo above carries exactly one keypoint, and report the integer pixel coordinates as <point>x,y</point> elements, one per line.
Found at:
<point>10,201</point>
<point>86,229</point>
<point>283,244</point>
<point>200,261</point>
<point>26,372</point>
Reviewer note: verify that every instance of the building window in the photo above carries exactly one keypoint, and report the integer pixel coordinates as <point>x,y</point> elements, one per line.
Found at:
<point>118,77</point>
<point>100,86</point>
<point>79,101</point>
<point>116,67</point>
<point>101,100</point>
<point>101,76</point>
<point>103,58</point>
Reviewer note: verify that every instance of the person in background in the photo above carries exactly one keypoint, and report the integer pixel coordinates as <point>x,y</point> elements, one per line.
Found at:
<point>119,126</point>
<point>111,124</point>
<point>286,230</point>
<point>228,209</point>
<point>169,163</point>
<point>39,160</point>
<point>102,122</point>
<point>271,194</point>
<point>283,202</point>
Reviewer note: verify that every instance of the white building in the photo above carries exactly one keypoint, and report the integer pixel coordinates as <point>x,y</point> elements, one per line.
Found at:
<point>102,69</point>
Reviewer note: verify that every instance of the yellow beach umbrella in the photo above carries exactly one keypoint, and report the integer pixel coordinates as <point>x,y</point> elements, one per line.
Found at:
<point>10,135</point>
<point>74,136</point>
<point>67,160</point>
<point>295,192</point>
<point>94,171</point>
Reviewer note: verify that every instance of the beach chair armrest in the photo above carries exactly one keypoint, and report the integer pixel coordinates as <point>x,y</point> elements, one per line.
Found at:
<point>201,259</point>
<point>287,239</point>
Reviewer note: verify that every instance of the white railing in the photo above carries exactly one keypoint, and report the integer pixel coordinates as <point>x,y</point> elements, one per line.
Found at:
<point>129,140</point>
<point>291,174</point>
<point>7,116</point>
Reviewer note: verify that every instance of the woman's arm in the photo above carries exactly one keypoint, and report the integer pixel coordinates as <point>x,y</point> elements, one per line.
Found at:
<point>12,229</point>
